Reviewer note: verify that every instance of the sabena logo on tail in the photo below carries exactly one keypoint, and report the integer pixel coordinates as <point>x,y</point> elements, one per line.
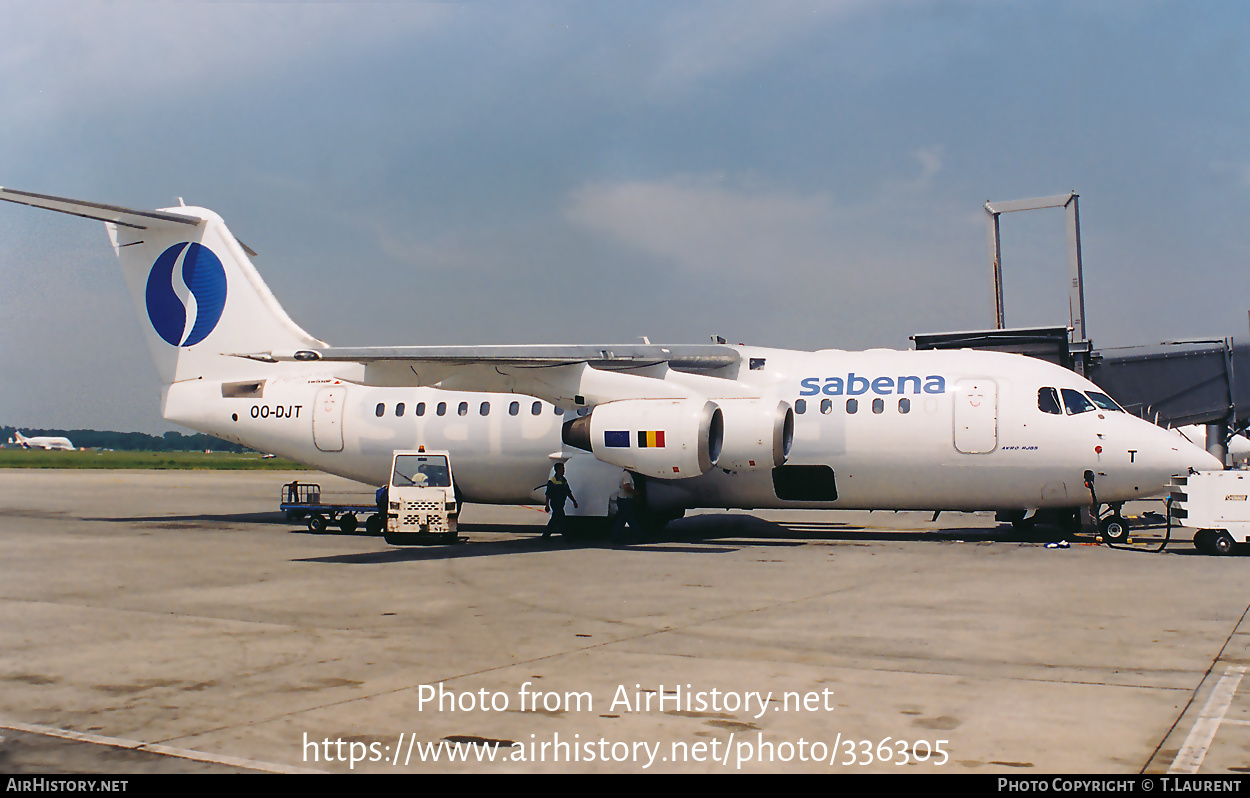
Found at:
<point>202,274</point>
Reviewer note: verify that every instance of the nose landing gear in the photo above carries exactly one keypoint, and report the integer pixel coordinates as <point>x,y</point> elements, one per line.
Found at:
<point>1113,527</point>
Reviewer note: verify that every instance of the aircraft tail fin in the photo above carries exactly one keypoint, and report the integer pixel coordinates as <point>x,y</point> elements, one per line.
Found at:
<point>199,299</point>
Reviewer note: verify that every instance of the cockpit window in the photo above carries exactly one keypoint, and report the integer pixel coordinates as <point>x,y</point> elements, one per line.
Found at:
<point>1048,401</point>
<point>1103,401</point>
<point>1075,402</point>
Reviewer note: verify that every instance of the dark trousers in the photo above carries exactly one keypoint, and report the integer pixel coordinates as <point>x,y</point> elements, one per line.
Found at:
<point>556,522</point>
<point>624,515</point>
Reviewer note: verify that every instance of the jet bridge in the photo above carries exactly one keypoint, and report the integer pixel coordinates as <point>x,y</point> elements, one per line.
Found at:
<point>1076,290</point>
<point>1184,382</point>
<point>1172,384</point>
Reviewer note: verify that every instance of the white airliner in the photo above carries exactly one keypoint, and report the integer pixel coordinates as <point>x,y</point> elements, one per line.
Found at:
<point>41,442</point>
<point>704,426</point>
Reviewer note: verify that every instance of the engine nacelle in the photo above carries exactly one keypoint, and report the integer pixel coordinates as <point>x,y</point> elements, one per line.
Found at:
<point>664,438</point>
<point>758,434</point>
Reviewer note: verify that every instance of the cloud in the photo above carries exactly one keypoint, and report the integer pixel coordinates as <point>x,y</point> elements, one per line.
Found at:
<point>805,262</point>
<point>102,55</point>
<point>749,230</point>
<point>705,40</point>
<point>106,55</point>
<point>704,225</point>
<point>930,164</point>
<point>1238,171</point>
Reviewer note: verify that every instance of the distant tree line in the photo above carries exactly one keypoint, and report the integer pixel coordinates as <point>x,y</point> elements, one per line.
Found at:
<point>131,441</point>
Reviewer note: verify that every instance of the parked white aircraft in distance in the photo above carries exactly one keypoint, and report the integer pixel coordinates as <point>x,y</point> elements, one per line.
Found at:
<point>1238,446</point>
<point>700,426</point>
<point>41,442</point>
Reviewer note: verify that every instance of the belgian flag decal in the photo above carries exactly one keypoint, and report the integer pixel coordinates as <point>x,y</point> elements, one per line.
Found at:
<point>651,439</point>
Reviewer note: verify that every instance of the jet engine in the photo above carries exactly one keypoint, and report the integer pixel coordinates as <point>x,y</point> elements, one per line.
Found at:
<point>663,438</point>
<point>758,434</point>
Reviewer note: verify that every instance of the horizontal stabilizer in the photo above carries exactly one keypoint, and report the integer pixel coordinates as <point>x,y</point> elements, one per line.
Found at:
<point>126,217</point>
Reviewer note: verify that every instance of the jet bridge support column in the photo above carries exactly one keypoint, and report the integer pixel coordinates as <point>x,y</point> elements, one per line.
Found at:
<point>1220,432</point>
<point>1076,290</point>
<point>1217,440</point>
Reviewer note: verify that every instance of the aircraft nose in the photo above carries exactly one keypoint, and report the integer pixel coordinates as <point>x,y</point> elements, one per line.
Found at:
<point>1165,451</point>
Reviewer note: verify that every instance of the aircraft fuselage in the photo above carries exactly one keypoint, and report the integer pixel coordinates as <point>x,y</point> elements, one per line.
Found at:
<point>897,429</point>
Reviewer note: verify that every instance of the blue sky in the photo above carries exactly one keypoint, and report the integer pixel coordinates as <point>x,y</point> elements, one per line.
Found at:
<point>804,175</point>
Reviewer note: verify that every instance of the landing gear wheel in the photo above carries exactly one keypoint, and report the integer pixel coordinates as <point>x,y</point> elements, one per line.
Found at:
<point>316,523</point>
<point>1202,541</point>
<point>1114,528</point>
<point>373,524</point>
<point>1221,543</point>
<point>347,524</point>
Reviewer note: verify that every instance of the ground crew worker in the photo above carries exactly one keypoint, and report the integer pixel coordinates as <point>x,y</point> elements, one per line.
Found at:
<point>557,491</point>
<point>626,507</point>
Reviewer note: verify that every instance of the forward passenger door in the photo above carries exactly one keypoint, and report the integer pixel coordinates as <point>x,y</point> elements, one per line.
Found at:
<point>976,416</point>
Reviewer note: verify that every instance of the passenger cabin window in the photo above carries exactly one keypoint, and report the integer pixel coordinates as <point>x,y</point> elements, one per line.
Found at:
<point>536,408</point>
<point>1103,401</point>
<point>878,406</point>
<point>852,406</point>
<point>1048,401</point>
<point>800,406</point>
<point>1075,402</point>
<point>380,410</point>
<point>514,408</point>
<point>484,409</point>
<point>420,408</point>
<point>904,405</point>
<point>441,409</point>
<point>463,409</point>
<point>826,406</point>
<point>399,409</point>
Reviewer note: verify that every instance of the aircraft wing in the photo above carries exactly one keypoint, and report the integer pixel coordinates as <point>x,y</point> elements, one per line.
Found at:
<point>566,374</point>
<point>688,356</point>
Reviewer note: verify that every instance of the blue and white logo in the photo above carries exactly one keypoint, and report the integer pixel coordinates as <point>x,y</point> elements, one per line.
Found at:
<point>203,276</point>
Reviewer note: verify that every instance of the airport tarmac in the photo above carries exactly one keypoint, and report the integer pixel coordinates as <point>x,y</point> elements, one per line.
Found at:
<point>172,621</point>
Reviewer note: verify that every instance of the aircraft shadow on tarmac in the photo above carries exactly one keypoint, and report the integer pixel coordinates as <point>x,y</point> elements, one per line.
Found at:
<point>201,521</point>
<point>707,534</point>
